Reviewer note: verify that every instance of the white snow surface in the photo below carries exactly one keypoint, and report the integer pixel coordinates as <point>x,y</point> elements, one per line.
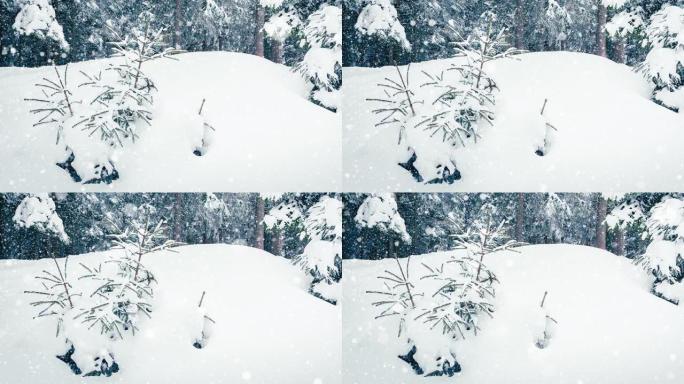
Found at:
<point>610,328</point>
<point>268,137</point>
<point>611,136</point>
<point>268,328</point>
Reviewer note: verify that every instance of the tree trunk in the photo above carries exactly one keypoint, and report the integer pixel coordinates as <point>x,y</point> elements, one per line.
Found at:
<point>259,37</point>
<point>278,242</point>
<point>620,241</point>
<point>277,51</point>
<point>601,29</point>
<point>260,211</point>
<point>520,217</point>
<point>601,212</point>
<point>176,25</point>
<point>178,217</point>
<point>519,25</point>
<point>620,49</point>
<point>2,226</point>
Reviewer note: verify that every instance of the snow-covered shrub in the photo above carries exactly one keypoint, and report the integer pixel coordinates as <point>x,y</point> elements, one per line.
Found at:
<point>379,18</point>
<point>447,303</point>
<point>380,211</point>
<point>322,63</point>
<point>281,25</point>
<point>63,298</point>
<point>38,212</point>
<point>37,18</point>
<point>204,325</point>
<point>107,110</point>
<point>546,325</point>
<point>322,256</point>
<point>664,256</point>
<point>664,64</point>
<point>447,111</point>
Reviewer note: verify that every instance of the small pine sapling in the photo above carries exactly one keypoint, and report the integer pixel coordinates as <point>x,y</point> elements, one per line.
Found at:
<point>205,323</point>
<point>144,44</point>
<point>485,236</point>
<point>447,111</point>
<point>55,106</point>
<point>548,329</point>
<point>204,133</point>
<point>55,297</point>
<point>547,132</point>
<point>141,237</point>
<point>123,285</point>
<point>116,302</point>
<point>397,298</point>
<point>115,109</point>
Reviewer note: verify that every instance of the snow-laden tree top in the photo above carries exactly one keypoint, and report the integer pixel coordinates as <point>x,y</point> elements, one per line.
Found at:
<point>667,27</point>
<point>282,215</point>
<point>624,214</point>
<point>324,27</point>
<point>280,26</point>
<point>666,219</point>
<point>380,211</point>
<point>271,3</point>
<point>38,211</point>
<point>379,17</point>
<point>614,3</point>
<point>324,219</point>
<point>37,18</point>
<point>624,23</point>
<point>215,204</point>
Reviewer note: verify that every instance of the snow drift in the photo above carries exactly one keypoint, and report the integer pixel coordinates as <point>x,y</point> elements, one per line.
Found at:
<point>268,328</point>
<point>611,136</point>
<point>267,136</point>
<point>610,328</point>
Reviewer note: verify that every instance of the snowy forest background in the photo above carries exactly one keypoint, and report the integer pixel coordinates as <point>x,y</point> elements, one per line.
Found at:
<point>407,224</point>
<point>420,30</point>
<point>191,219</point>
<point>78,30</point>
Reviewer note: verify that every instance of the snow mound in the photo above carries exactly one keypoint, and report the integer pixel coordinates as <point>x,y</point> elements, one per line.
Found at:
<point>610,328</point>
<point>268,135</point>
<point>268,329</point>
<point>611,136</point>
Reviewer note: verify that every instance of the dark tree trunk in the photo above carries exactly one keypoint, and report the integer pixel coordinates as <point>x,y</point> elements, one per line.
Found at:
<point>176,25</point>
<point>601,30</point>
<point>259,219</point>
<point>259,36</point>
<point>620,241</point>
<point>601,212</point>
<point>3,203</point>
<point>519,25</point>
<point>277,242</point>
<point>178,217</point>
<point>620,49</point>
<point>277,51</point>
<point>520,217</point>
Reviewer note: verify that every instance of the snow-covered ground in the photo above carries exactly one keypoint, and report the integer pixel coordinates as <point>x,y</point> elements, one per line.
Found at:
<point>268,137</point>
<point>611,136</point>
<point>610,328</point>
<point>268,328</point>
